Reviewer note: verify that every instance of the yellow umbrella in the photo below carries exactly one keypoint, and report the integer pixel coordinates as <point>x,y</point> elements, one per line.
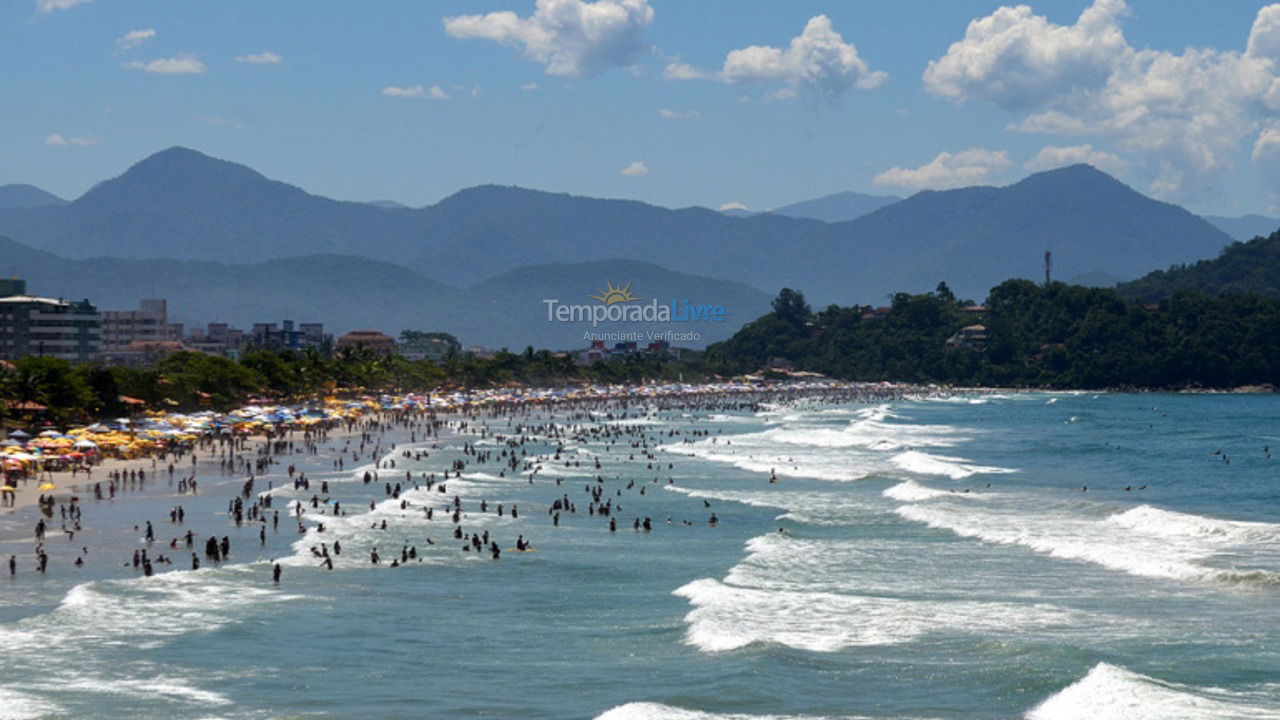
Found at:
<point>7,488</point>
<point>48,486</point>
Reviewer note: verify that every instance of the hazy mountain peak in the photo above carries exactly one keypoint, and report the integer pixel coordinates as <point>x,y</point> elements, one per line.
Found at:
<point>180,175</point>
<point>184,164</point>
<point>1078,174</point>
<point>25,196</point>
<point>388,204</point>
<point>1245,227</point>
<point>837,207</point>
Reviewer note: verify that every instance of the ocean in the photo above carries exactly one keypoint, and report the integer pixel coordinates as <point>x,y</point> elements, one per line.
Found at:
<point>1024,555</point>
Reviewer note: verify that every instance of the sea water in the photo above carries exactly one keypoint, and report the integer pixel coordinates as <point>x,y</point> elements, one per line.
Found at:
<point>1044,556</point>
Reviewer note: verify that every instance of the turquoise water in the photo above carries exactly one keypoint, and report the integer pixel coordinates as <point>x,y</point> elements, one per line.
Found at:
<point>920,559</point>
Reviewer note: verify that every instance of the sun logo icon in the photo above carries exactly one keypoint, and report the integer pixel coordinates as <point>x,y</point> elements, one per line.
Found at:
<point>611,295</point>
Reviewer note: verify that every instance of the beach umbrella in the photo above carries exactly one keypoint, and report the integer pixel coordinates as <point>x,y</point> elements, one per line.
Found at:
<point>85,443</point>
<point>18,434</point>
<point>8,488</point>
<point>50,434</point>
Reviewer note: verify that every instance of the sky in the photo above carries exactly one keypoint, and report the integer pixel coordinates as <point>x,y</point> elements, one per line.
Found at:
<point>718,103</point>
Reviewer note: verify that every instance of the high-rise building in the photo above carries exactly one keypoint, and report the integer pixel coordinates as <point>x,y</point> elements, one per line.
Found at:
<point>148,324</point>
<point>47,327</point>
<point>288,336</point>
<point>217,339</point>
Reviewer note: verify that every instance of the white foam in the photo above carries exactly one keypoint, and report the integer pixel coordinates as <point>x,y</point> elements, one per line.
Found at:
<point>490,477</point>
<point>800,592</point>
<point>814,444</point>
<point>955,468</point>
<point>727,617</point>
<point>150,688</point>
<point>361,532</point>
<point>659,711</point>
<point>809,507</point>
<point>912,491</point>
<point>1109,692</point>
<point>16,705</point>
<point>1169,524</point>
<point>1143,541</point>
<point>53,652</point>
<point>731,419</point>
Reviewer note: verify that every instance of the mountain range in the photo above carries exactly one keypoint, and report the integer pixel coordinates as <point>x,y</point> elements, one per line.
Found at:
<point>180,205</point>
<point>1245,227</point>
<point>837,207</point>
<point>25,196</point>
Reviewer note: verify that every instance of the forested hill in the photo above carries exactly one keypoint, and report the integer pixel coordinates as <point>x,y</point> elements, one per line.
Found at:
<point>1241,267</point>
<point>1058,336</point>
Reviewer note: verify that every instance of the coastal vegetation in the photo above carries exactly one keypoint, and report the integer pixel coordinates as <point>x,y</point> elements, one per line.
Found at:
<point>1027,335</point>
<point>1242,267</point>
<point>59,391</point>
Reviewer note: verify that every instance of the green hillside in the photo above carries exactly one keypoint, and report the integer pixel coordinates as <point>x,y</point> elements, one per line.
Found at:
<point>1251,267</point>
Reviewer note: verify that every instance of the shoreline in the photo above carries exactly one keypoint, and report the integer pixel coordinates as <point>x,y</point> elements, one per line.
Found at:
<point>28,491</point>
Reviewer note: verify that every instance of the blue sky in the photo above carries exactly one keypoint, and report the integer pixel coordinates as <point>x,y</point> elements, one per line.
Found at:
<point>674,103</point>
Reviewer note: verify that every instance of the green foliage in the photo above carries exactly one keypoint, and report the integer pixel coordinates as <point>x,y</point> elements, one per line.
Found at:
<point>189,378</point>
<point>415,336</point>
<point>50,382</point>
<point>1037,336</point>
<point>1242,267</point>
<point>192,380</point>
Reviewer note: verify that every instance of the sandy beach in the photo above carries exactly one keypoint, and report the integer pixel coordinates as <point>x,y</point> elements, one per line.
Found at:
<point>80,484</point>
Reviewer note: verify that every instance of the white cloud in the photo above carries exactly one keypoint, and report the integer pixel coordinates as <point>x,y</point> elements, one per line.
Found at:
<point>262,58</point>
<point>1055,157</point>
<point>184,64</point>
<point>529,87</point>
<point>635,169</point>
<point>818,59</point>
<point>1016,59</point>
<point>570,37</point>
<point>677,70</point>
<point>45,6</point>
<point>669,114</point>
<point>732,205</point>
<point>1264,36</point>
<point>134,38</point>
<point>1266,154</point>
<point>59,141</point>
<point>947,170</point>
<point>1180,117</point>
<point>435,92</point>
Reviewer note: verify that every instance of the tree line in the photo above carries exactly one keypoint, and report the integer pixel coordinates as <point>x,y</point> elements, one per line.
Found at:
<point>193,380</point>
<point>1050,336</point>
